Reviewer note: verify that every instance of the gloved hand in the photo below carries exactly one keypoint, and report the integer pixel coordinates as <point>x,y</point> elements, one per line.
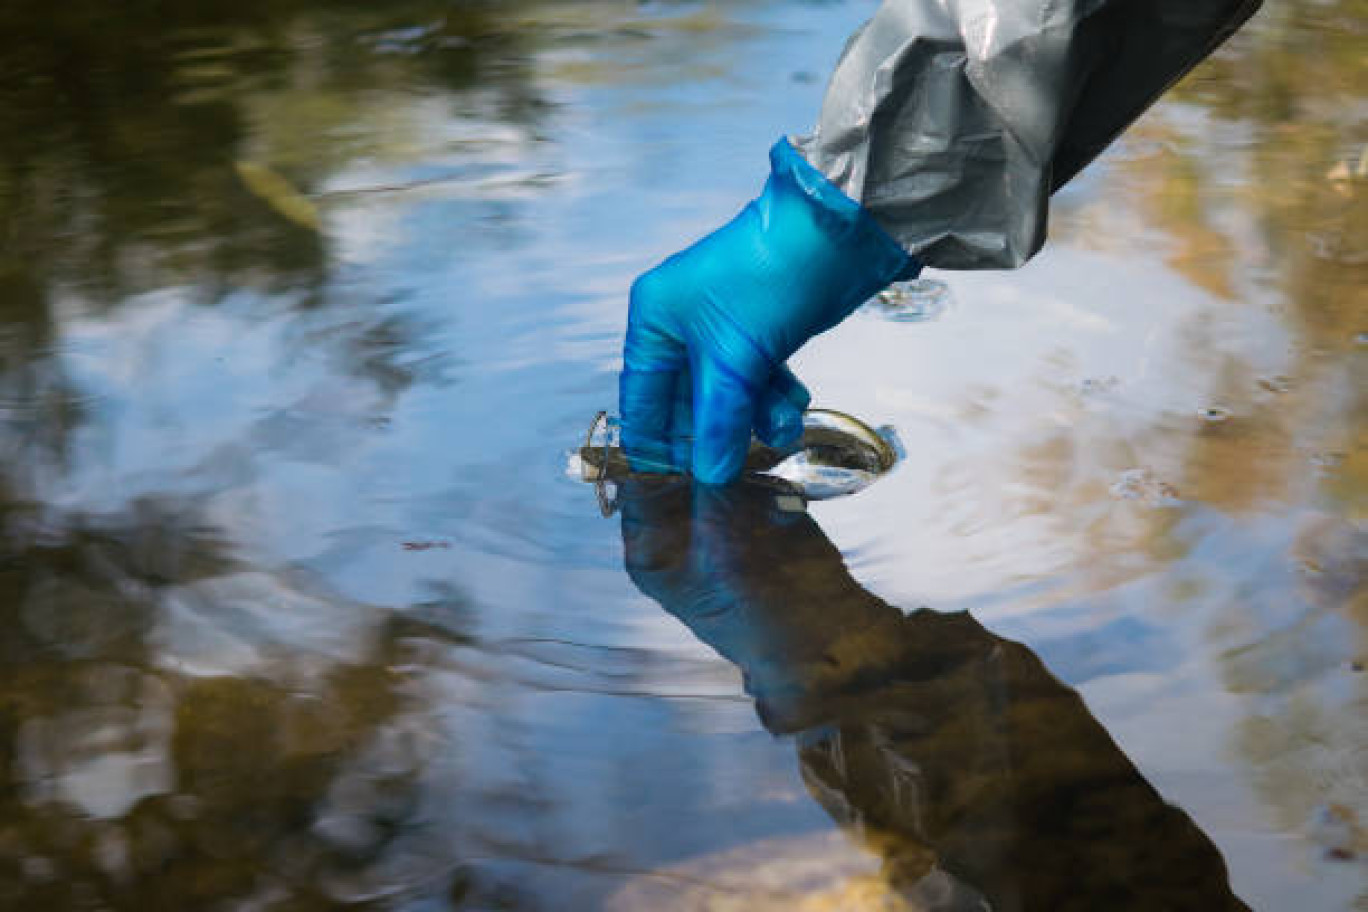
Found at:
<point>710,328</point>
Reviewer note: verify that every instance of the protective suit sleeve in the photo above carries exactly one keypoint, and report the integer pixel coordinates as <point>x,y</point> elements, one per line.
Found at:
<point>952,121</point>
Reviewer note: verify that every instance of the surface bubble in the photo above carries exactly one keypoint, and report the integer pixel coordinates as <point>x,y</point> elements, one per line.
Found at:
<point>917,301</point>
<point>1143,486</point>
<point>1326,462</point>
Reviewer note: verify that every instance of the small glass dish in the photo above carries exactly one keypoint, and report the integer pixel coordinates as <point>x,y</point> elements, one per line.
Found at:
<point>837,455</point>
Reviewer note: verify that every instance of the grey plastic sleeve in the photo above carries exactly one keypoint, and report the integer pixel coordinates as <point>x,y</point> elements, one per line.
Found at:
<point>952,121</point>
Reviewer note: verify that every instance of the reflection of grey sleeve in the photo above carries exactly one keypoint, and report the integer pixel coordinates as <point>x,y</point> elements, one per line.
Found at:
<point>953,121</point>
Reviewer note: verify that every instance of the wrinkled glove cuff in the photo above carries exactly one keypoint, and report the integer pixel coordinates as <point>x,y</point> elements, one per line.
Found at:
<point>849,224</point>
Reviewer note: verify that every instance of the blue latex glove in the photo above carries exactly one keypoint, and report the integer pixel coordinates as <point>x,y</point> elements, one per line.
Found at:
<point>710,328</point>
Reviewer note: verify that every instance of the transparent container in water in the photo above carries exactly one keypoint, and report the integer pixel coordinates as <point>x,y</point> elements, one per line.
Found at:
<point>836,456</point>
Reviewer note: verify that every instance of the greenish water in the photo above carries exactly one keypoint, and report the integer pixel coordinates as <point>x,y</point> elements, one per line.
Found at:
<point>305,305</point>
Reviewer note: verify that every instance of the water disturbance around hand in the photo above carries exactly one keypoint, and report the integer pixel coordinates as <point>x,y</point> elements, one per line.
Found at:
<point>837,455</point>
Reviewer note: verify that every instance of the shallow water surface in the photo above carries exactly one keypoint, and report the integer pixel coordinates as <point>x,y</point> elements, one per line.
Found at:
<point>305,305</point>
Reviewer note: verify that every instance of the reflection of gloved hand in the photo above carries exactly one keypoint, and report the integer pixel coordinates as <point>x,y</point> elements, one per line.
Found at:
<point>710,328</point>
<point>763,587</point>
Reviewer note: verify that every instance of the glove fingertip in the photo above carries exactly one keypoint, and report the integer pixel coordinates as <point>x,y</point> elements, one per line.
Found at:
<point>779,421</point>
<point>788,386</point>
<point>725,408</point>
<point>782,429</point>
<point>720,451</point>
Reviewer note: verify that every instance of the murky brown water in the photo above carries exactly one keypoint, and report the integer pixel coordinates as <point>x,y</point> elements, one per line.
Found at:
<point>305,304</point>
